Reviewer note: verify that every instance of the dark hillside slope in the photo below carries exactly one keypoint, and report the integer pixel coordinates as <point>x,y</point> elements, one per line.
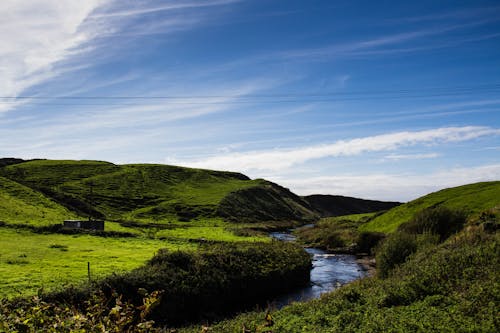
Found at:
<point>472,199</point>
<point>337,205</point>
<point>266,202</point>
<point>10,160</point>
<point>153,192</point>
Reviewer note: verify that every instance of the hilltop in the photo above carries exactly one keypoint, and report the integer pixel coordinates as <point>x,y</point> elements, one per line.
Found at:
<point>144,193</point>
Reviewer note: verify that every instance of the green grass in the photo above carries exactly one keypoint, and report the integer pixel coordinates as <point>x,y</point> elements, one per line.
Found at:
<point>171,207</point>
<point>31,261</point>
<point>473,198</point>
<point>208,229</point>
<point>21,204</point>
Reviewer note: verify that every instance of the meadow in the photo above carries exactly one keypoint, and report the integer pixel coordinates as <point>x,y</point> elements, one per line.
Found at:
<point>30,261</point>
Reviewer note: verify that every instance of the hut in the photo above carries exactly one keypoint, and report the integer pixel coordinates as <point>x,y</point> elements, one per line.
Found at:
<point>84,224</point>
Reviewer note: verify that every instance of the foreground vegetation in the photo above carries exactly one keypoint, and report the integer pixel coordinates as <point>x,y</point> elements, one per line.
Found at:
<point>427,285</point>
<point>173,287</point>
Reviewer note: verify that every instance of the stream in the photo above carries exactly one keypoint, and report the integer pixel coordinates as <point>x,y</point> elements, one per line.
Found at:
<point>329,271</point>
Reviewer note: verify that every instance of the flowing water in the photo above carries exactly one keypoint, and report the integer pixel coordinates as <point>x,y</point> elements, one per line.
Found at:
<point>329,272</point>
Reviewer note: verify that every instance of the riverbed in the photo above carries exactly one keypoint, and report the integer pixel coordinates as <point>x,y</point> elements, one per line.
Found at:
<point>329,271</point>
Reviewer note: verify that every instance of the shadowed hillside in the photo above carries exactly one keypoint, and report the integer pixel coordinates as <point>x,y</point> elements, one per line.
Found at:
<point>266,202</point>
<point>337,205</point>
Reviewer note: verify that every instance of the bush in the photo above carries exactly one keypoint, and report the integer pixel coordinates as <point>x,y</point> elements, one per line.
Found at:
<point>209,283</point>
<point>394,251</point>
<point>368,240</point>
<point>439,220</point>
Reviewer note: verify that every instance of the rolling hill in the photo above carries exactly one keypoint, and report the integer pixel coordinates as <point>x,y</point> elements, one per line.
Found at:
<point>148,192</point>
<point>472,198</point>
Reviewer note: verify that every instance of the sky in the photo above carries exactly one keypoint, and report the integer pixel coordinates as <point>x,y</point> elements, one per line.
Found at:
<point>385,100</point>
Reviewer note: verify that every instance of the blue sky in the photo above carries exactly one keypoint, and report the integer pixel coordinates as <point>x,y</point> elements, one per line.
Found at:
<point>384,100</point>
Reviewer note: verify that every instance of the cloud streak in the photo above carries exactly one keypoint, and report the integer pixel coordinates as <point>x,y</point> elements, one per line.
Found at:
<point>36,35</point>
<point>42,39</point>
<point>398,187</point>
<point>281,159</point>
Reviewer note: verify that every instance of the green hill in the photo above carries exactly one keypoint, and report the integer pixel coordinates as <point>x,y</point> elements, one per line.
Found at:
<point>473,199</point>
<point>151,192</point>
<point>21,204</point>
<point>266,202</point>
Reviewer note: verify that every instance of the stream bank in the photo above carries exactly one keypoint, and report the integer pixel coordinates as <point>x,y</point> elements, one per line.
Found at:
<point>329,272</point>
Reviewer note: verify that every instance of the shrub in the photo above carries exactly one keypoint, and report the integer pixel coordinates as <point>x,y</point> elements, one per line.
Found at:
<point>436,220</point>
<point>204,285</point>
<point>367,240</point>
<point>394,251</point>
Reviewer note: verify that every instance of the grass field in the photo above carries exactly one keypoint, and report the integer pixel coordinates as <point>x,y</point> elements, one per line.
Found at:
<point>30,261</point>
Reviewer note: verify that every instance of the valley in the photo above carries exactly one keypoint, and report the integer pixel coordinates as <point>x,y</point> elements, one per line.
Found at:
<point>201,239</point>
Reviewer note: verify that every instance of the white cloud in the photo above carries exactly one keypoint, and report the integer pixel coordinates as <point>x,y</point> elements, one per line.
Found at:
<point>281,159</point>
<point>42,39</point>
<point>35,36</point>
<point>397,187</point>
<point>398,157</point>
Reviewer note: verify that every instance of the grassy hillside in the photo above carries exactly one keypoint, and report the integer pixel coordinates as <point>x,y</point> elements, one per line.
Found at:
<point>473,199</point>
<point>338,205</point>
<point>21,204</point>
<point>148,192</point>
<point>266,202</point>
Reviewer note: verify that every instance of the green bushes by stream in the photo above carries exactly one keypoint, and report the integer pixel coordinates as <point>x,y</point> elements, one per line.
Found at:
<point>435,286</point>
<point>217,280</point>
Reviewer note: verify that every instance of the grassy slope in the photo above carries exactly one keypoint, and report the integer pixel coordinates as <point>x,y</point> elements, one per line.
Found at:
<point>473,198</point>
<point>266,202</point>
<point>21,204</point>
<point>139,192</point>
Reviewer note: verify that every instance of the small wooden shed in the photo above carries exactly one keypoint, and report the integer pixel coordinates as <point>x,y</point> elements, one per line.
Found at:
<point>84,224</point>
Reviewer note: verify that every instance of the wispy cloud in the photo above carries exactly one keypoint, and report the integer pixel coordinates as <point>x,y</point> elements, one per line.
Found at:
<point>281,159</point>
<point>376,43</point>
<point>398,187</point>
<point>398,157</point>
<point>36,35</point>
<point>40,38</point>
<point>140,8</point>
